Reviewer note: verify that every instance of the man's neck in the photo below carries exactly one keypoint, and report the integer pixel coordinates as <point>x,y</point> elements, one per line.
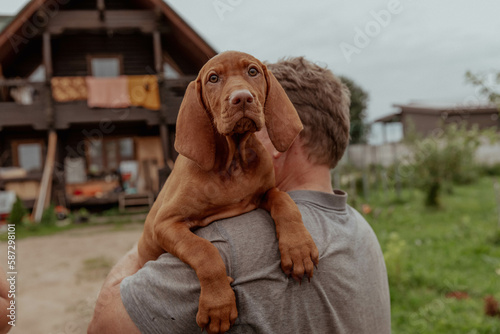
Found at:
<point>301,173</point>
<point>316,179</point>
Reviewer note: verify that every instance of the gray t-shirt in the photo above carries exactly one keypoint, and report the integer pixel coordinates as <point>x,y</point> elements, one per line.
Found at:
<point>349,292</point>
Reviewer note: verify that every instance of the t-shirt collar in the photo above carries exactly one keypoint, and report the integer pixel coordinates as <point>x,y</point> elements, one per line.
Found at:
<point>335,201</point>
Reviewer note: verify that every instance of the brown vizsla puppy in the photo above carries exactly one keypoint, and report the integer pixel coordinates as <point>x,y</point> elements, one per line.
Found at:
<point>223,171</point>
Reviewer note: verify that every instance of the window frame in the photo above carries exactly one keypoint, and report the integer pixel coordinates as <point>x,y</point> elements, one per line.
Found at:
<point>92,56</point>
<point>104,158</point>
<point>15,151</point>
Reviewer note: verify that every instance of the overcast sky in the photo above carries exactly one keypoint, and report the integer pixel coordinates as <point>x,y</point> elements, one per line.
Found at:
<point>399,51</point>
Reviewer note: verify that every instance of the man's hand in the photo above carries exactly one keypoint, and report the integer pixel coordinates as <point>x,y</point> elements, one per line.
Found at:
<point>110,315</point>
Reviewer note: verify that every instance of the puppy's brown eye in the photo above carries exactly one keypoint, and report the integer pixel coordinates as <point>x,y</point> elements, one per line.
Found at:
<point>213,78</point>
<point>253,71</point>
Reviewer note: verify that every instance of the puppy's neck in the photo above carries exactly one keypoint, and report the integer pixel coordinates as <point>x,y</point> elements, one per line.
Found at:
<point>232,152</point>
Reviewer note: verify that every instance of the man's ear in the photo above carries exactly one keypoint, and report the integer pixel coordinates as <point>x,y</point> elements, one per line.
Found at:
<point>282,121</point>
<point>194,136</point>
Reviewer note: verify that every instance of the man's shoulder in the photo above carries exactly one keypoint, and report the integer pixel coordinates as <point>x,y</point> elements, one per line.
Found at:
<point>238,226</point>
<point>321,213</point>
<point>360,219</point>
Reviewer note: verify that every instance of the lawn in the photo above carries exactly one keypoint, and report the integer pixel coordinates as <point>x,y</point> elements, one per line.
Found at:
<point>432,253</point>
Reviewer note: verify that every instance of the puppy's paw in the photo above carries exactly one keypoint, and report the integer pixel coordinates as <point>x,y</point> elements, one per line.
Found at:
<point>299,254</point>
<point>217,309</point>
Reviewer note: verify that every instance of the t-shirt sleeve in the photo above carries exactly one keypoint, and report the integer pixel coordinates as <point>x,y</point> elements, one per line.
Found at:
<point>162,297</point>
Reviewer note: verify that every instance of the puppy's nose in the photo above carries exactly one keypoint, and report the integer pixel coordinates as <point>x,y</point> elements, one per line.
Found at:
<point>241,97</point>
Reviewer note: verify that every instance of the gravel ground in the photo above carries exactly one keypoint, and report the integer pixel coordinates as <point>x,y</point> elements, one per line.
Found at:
<point>59,276</point>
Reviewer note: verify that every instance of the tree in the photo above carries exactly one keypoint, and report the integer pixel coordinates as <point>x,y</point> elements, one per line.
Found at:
<point>359,99</point>
<point>487,83</point>
<point>446,158</point>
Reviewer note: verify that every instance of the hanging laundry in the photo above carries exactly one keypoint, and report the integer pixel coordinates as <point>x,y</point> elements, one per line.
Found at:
<point>108,92</point>
<point>23,95</point>
<point>68,89</point>
<point>144,91</point>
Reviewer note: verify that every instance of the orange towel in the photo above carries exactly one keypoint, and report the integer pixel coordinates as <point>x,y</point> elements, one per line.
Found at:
<point>67,89</point>
<point>108,92</point>
<point>144,91</point>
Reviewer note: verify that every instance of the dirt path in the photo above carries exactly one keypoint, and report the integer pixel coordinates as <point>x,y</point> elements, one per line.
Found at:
<point>60,276</point>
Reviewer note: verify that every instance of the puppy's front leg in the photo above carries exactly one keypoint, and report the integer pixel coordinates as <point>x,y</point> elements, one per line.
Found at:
<point>299,253</point>
<point>217,305</point>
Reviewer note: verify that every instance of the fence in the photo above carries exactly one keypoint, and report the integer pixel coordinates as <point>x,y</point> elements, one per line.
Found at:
<point>367,168</point>
<point>387,155</point>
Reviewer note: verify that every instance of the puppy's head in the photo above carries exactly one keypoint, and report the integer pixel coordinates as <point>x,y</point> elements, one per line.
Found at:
<point>234,93</point>
<point>234,90</point>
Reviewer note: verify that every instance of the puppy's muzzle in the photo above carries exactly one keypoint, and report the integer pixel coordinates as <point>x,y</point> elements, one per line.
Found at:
<point>245,125</point>
<point>241,98</point>
<point>242,105</point>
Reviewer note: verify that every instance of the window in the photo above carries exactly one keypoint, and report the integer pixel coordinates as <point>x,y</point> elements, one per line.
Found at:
<point>105,66</point>
<point>170,72</point>
<point>106,155</point>
<point>28,155</point>
<point>95,158</point>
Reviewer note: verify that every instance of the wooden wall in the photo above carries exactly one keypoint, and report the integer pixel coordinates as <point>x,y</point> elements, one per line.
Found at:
<point>426,123</point>
<point>26,61</point>
<point>74,137</point>
<point>80,4</point>
<point>70,53</point>
<point>92,4</point>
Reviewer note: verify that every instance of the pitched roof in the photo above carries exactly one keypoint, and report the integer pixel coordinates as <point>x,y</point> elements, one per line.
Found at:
<point>391,118</point>
<point>435,109</point>
<point>182,32</point>
<point>439,108</point>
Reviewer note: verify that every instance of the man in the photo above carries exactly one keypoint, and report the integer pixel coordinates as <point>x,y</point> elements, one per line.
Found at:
<point>4,303</point>
<point>349,291</point>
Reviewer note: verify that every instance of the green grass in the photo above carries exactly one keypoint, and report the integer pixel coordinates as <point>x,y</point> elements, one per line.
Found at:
<point>429,253</point>
<point>432,252</point>
<point>111,217</point>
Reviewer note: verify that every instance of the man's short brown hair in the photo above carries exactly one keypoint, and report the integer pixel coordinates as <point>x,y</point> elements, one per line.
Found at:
<point>322,102</point>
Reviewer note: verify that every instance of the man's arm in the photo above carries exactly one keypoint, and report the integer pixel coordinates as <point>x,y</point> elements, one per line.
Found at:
<point>4,303</point>
<point>110,315</point>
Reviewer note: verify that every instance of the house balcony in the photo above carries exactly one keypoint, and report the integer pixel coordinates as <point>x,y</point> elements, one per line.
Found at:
<point>25,103</point>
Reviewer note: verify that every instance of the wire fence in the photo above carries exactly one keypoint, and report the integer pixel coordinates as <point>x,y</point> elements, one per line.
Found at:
<point>388,169</point>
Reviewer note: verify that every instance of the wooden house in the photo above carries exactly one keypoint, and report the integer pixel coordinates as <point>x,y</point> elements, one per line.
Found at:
<point>89,95</point>
<point>425,119</point>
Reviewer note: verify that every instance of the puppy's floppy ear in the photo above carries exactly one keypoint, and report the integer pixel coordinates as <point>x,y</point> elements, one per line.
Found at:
<point>194,136</point>
<point>282,121</point>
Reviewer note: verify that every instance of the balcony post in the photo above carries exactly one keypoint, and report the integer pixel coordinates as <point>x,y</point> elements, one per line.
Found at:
<point>47,55</point>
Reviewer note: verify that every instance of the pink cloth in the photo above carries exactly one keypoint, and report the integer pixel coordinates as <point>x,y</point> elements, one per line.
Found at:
<point>108,92</point>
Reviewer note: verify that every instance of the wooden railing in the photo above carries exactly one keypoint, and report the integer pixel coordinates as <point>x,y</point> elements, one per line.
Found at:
<point>172,92</point>
<point>23,103</point>
<point>41,108</point>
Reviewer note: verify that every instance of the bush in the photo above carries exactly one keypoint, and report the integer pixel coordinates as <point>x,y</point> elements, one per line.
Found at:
<point>491,170</point>
<point>81,216</point>
<point>18,212</point>
<point>444,159</point>
<point>49,217</point>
